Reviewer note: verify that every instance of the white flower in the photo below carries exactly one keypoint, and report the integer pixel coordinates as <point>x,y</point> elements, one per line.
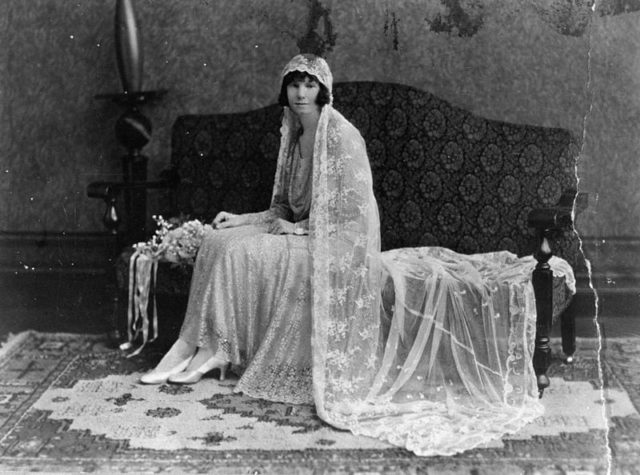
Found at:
<point>173,241</point>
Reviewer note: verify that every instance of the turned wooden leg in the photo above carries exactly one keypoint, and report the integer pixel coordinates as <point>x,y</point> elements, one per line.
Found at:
<point>114,333</point>
<point>542,280</point>
<point>111,221</point>
<point>568,332</point>
<point>117,329</point>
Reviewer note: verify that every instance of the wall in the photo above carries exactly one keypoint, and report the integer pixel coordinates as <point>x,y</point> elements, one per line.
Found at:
<point>611,159</point>
<point>545,62</point>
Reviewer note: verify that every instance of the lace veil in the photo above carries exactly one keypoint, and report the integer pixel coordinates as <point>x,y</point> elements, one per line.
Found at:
<point>411,346</point>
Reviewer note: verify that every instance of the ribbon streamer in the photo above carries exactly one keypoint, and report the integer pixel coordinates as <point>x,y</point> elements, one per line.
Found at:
<point>142,281</point>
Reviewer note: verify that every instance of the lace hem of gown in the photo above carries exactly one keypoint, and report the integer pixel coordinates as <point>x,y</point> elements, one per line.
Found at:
<point>251,297</point>
<point>279,383</point>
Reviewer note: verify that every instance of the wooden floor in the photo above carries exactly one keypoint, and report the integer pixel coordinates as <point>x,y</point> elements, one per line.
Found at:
<point>81,303</point>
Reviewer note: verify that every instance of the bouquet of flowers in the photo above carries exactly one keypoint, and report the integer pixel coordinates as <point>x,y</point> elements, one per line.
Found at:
<point>177,241</point>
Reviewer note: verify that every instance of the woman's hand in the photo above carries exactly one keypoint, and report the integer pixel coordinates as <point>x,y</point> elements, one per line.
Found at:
<point>227,220</point>
<point>281,226</point>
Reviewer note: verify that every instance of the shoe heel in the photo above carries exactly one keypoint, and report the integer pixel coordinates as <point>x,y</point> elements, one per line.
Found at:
<point>223,370</point>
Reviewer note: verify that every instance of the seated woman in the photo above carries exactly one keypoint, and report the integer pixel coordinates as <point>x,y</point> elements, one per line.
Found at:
<point>249,302</point>
<point>425,348</point>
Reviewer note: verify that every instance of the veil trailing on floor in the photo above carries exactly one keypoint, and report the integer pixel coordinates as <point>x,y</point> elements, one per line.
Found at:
<point>425,348</point>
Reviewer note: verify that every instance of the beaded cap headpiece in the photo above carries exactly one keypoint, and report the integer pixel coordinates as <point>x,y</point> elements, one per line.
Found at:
<point>314,65</point>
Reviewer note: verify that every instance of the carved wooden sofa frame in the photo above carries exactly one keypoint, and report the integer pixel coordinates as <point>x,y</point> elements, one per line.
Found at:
<point>442,177</point>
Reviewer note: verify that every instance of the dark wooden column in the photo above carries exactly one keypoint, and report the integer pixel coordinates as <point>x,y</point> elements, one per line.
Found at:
<point>133,131</point>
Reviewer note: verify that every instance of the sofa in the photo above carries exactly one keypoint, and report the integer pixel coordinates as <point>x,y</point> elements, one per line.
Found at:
<point>442,177</point>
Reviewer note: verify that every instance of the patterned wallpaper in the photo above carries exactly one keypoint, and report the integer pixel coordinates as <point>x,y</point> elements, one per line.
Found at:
<point>523,61</point>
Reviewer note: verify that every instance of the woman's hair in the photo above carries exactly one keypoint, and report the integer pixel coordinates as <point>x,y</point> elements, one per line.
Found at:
<point>323,95</point>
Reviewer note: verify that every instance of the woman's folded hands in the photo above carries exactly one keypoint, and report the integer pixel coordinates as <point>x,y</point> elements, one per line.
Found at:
<point>274,223</point>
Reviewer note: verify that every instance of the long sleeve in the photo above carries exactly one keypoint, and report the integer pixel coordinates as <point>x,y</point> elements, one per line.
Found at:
<point>280,205</point>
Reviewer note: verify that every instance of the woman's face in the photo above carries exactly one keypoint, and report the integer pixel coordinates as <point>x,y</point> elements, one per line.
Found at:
<point>302,94</point>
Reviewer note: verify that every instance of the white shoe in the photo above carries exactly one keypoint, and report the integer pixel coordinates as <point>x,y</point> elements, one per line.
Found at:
<point>159,377</point>
<point>192,377</point>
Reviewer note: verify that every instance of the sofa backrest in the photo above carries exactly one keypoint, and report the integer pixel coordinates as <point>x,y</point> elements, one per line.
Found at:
<point>442,176</point>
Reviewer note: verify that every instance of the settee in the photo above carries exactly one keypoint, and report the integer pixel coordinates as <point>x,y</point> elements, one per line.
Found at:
<point>442,177</point>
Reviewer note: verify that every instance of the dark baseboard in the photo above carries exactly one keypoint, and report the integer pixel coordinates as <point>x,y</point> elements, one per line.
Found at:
<point>614,277</point>
<point>38,253</point>
<point>619,304</point>
<point>615,265</point>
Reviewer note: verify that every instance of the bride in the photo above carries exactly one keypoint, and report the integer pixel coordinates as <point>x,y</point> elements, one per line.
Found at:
<point>425,348</point>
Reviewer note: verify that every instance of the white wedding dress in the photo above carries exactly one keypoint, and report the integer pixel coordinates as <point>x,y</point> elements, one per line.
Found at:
<point>425,348</point>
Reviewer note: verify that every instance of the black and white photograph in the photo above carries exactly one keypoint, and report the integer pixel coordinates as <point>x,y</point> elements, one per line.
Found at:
<point>320,236</point>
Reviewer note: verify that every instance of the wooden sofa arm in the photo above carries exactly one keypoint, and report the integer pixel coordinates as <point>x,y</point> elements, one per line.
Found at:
<point>109,191</point>
<point>559,216</point>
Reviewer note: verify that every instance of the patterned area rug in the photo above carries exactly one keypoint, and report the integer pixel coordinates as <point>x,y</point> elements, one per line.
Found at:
<point>67,403</point>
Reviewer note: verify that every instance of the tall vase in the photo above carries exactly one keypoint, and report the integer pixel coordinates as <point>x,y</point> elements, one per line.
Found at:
<point>128,47</point>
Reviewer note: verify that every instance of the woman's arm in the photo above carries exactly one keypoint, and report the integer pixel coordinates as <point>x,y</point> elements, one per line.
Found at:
<point>277,217</point>
<point>225,219</point>
<point>277,220</point>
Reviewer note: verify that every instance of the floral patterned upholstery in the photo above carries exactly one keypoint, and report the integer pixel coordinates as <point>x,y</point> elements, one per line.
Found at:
<point>442,176</point>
